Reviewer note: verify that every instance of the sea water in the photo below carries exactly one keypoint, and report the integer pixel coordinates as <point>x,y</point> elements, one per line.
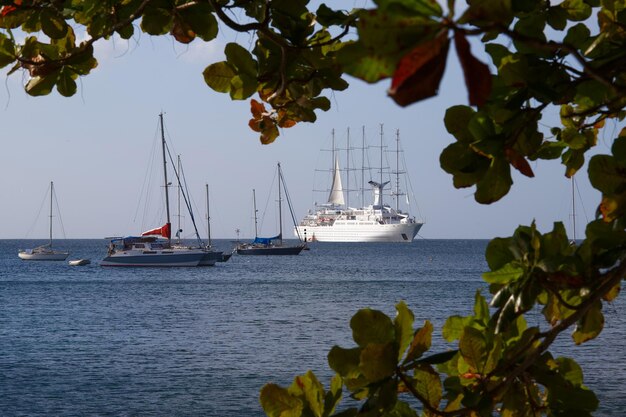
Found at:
<point>98,341</point>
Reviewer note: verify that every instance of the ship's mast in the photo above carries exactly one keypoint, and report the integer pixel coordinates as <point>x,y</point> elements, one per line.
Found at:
<point>397,169</point>
<point>363,167</point>
<point>348,170</point>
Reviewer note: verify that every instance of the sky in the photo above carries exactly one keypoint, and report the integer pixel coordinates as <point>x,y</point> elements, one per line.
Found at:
<point>96,146</point>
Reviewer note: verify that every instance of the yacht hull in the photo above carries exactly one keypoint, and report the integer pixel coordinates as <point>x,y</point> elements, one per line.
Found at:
<point>271,250</point>
<point>153,259</point>
<point>47,256</point>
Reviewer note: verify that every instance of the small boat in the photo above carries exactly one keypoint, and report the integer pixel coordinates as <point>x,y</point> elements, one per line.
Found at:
<point>154,247</point>
<point>44,252</point>
<point>79,262</point>
<point>272,245</point>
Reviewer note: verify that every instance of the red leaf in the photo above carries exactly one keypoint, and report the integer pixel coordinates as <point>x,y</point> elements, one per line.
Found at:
<point>5,10</point>
<point>477,75</point>
<point>182,32</point>
<point>256,108</point>
<point>419,72</point>
<point>519,162</point>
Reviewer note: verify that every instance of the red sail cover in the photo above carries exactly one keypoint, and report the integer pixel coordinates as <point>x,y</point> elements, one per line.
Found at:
<point>164,231</point>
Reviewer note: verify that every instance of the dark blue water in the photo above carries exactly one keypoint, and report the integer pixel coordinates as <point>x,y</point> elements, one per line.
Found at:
<point>89,340</point>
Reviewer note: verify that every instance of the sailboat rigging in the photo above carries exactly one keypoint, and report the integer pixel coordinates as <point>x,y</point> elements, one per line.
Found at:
<point>272,245</point>
<point>154,247</point>
<point>44,252</point>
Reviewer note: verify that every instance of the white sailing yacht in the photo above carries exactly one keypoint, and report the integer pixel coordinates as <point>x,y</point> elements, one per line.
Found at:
<point>335,221</point>
<point>44,252</point>
<point>154,247</point>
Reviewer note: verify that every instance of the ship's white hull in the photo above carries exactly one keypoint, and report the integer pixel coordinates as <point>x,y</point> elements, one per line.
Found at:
<point>374,232</point>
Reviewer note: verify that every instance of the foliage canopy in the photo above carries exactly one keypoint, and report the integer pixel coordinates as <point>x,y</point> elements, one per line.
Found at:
<point>544,55</point>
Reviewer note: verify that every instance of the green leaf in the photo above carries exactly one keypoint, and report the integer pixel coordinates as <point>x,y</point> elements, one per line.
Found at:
<point>403,325</point>
<point>605,175</point>
<point>242,87</point>
<point>7,51</point>
<point>496,11</point>
<point>328,17</point>
<point>66,86</point>
<point>571,371</point>
<point>421,342</point>
<point>590,325</point>
<point>578,36</point>
<point>344,361</point>
<point>550,150</point>
<point>557,18</point>
<point>619,148</point>
<point>481,309</point>
<point>240,59</point>
<point>156,21</point>
<point>494,356</point>
<point>309,388</point>
<point>218,76</point>
<point>481,127</point>
<point>454,326</point>
<point>378,361</point>
<point>401,409</point>
<point>277,402</point>
<point>201,19</point>
<point>495,184</point>
<point>577,10</point>
<point>52,24</point>
<point>472,346</point>
<point>457,119</point>
<point>371,326</point>
<point>41,86</point>
<point>428,384</point>
<point>333,396</point>
<point>498,253</point>
<point>504,275</point>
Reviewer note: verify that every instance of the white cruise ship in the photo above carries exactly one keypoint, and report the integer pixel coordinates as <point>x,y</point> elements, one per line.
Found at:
<point>334,221</point>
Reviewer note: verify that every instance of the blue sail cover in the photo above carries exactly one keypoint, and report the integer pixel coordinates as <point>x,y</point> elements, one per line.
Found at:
<point>265,240</point>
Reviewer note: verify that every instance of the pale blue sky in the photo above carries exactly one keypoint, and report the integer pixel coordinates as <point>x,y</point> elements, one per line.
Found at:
<point>96,145</point>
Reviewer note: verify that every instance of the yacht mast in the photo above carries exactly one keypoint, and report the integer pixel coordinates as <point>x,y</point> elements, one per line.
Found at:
<point>51,193</point>
<point>178,230</point>
<point>208,217</point>
<point>381,169</point>
<point>280,206</point>
<point>573,211</point>
<point>167,197</point>
<point>256,233</point>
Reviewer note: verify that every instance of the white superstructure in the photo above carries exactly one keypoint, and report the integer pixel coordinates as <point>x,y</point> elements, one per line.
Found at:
<point>377,222</point>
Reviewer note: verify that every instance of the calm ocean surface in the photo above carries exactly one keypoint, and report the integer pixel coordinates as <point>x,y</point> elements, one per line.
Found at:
<point>95,341</point>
